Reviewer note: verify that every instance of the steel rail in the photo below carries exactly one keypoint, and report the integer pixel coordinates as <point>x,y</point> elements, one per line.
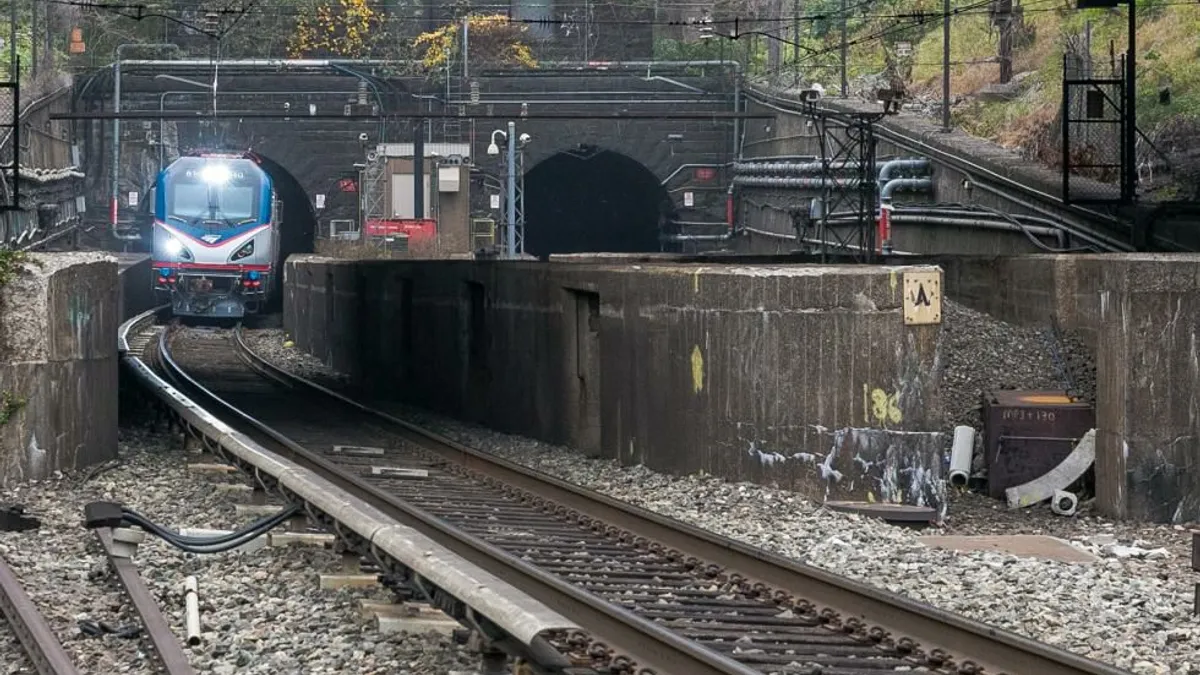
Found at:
<point>169,651</point>
<point>511,621</point>
<point>653,646</point>
<point>41,645</point>
<point>945,636</point>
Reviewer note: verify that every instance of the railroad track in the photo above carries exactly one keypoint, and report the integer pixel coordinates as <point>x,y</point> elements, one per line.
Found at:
<point>655,595</point>
<point>41,646</point>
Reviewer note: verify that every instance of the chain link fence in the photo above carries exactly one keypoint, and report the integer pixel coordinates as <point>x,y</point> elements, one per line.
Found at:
<point>1093,122</point>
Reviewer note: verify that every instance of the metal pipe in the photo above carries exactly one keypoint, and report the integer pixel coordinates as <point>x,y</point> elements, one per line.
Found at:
<point>192,610</point>
<point>790,158</point>
<point>677,83</point>
<point>974,213</point>
<point>791,168</point>
<point>558,102</point>
<point>911,184</point>
<point>915,219</point>
<point>512,190</point>
<point>930,217</point>
<point>782,181</point>
<point>676,238</point>
<point>606,65</point>
<point>1076,229</point>
<point>914,164</point>
<point>681,167</point>
<point>549,95</point>
<point>737,124</point>
<point>264,63</point>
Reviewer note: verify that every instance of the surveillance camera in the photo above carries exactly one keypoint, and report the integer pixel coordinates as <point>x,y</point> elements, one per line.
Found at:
<point>362,137</point>
<point>287,106</point>
<point>524,138</point>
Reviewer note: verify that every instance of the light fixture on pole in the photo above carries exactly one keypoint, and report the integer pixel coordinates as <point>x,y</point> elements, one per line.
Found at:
<point>493,149</point>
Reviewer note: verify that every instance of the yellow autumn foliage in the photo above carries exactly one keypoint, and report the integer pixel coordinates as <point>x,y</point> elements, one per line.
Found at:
<point>491,40</point>
<point>338,27</point>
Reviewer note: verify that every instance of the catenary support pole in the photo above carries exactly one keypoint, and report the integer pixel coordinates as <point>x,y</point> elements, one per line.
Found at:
<point>512,190</point>
<point>946,66</point>
<point>419,170</point>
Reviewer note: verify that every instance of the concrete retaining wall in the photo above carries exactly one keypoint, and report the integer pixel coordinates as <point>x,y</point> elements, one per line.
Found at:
<point>1140,314</point>
<point>806,377</point>
<point>58,353</point>
<point>136,288</point>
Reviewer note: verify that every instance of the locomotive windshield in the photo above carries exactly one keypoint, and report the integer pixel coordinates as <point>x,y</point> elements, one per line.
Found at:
<point>213,192</point>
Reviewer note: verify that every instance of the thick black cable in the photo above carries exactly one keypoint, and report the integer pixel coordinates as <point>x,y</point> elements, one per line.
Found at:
<point>214,544</point>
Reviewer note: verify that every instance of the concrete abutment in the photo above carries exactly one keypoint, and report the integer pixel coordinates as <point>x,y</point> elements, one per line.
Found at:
<point>58,364</point>
<point>800,376</point>
<point>806,377</point>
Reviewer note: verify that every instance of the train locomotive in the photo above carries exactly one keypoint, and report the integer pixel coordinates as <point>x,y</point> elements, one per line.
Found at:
<point>216,237</point>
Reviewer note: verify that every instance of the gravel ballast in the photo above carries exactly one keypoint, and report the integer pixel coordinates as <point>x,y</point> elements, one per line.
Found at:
<point>1131,608</point>
<point>261,612</point>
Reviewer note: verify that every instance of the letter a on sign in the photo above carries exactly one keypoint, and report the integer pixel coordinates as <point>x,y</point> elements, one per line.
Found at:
<point>922,298</point>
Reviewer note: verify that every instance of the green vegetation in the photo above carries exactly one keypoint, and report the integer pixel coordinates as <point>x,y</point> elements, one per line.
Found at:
<point>10,405</point>
<point>1167,51</point>
<point>11,263</point>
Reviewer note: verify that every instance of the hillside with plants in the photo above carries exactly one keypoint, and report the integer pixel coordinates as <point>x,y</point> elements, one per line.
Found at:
<point>899,43</point>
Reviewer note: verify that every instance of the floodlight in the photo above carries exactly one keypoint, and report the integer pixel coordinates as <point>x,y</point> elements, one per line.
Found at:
<point>215,174</point>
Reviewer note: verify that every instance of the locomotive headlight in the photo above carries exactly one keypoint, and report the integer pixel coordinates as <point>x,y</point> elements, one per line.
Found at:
<point>245,251</point>
<point>175,248</point>
<point>215,174</point>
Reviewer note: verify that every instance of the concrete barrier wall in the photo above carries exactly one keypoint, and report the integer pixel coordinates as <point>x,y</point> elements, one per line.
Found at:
<point>1140,314</point>
<point>135,290</point>
<point>58,357</point>
<point>805,377</point>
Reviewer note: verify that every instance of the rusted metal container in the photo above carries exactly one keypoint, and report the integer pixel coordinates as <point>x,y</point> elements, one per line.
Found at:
<point>1028,433</point>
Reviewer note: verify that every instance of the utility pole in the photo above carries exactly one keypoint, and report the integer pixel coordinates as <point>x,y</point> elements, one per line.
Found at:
<point>511,244</point>
<point>946,66</point>
<point>33,39</point>
<point>845,54</point>
<point>48,47</point>
<point>1129,189</point>
<point>1002,18</point>
<point>12,40</point>
<point>796,39</point>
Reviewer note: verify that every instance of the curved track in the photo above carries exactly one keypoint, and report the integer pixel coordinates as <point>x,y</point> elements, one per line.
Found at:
<point>674,598</point>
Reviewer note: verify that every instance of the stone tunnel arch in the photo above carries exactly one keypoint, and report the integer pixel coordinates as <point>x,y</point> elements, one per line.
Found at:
<point>590,200</point>
<point>299,217</point>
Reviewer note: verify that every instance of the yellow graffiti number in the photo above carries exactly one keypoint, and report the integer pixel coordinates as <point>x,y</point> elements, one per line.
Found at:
<point>697,370</point>
<point>883,406</point>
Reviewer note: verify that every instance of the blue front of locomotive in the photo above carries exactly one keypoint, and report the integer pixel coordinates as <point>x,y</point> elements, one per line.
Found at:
<point>214,242</point>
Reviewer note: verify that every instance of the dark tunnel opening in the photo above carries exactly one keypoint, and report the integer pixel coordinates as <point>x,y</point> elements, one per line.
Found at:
<point>299,230</point>
<point>593,201</point>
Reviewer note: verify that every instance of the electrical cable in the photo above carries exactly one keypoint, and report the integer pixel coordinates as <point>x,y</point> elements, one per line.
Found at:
<point>213,544</point>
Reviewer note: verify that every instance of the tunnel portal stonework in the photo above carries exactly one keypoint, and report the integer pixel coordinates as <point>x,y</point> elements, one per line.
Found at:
<point>322,153</point>
<point>803,377</point>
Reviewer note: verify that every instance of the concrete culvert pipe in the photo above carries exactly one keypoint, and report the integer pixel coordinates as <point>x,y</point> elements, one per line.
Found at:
<point>961,455</point>
<point>1064,503</point>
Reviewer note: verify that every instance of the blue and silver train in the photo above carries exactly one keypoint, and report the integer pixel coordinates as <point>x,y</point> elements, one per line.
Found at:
<point>216,236</point>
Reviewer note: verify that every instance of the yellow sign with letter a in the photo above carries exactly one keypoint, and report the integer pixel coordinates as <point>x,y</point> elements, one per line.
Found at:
<point>922,298</point>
